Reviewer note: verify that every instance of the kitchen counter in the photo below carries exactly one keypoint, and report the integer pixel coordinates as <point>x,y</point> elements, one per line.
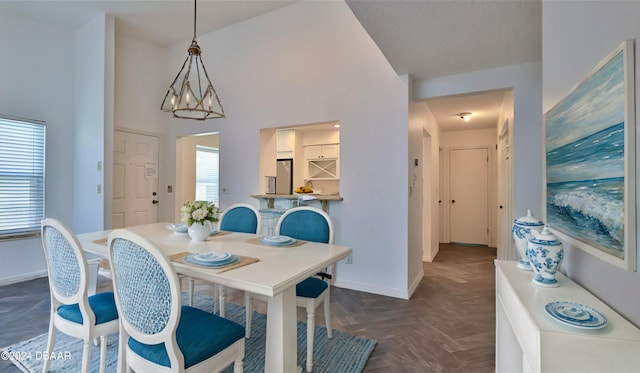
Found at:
<point>322,198</point>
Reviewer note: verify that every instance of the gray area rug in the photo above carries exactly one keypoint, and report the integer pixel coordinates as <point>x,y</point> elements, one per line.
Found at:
<point>344,353</point>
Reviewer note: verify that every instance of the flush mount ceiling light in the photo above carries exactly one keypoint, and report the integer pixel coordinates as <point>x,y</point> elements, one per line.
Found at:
<point>464,116</point>
<point>191,95</point>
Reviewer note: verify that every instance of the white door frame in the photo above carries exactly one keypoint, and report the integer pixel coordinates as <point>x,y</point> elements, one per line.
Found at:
<point>429,211</point>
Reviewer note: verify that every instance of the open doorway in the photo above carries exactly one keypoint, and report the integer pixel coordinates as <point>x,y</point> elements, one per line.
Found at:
<point>197,170</point>
<point>461,136</point>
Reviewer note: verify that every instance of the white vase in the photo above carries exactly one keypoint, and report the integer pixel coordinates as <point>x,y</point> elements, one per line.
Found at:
<point>523,229</point>
<point>200,231</point>
<point>545,253</point>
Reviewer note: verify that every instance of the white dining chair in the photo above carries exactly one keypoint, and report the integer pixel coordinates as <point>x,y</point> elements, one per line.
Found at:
<point>240,217</point>
<point>73,312</point>
<point>244,218</point>
<point>309,224</point>
<point>158,333</point>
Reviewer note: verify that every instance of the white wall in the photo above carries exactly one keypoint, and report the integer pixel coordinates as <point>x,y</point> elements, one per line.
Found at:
<point>572,46</point>
<point>93,108</point>
<point>142,79</point>
<point>525,80</point>
<point>36,76</point>
<point>420,120</point>
<point>313,62</point>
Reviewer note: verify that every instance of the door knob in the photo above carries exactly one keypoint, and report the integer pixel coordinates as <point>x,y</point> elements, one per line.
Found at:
<point>155,201</point>
<point>453,201</point>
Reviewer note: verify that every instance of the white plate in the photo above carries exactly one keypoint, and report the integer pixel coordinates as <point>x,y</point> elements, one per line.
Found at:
<point>277,239</point>
<point>178,228</point>
<point>230,260</point>
<point>280,241</point>
<point>211,257</point>
<point>576,315</point>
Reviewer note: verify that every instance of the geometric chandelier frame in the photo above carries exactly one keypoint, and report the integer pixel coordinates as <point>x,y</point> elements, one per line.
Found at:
<point>191,94</point>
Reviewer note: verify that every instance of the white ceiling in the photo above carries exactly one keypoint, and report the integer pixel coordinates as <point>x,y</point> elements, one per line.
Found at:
<point>484,108</point>
<point>423,38</point>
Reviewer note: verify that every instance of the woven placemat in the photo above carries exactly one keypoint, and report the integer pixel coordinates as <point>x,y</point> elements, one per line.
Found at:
<point>256,241</point>
<point>244,260</point>
<point>102,241</point>
<point>220,233</point>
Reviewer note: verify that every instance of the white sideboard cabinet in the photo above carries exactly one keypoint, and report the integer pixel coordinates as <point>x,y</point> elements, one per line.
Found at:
<point>528,340</point>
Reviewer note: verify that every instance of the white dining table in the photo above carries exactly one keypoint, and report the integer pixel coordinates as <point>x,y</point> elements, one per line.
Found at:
<point>274,275</point>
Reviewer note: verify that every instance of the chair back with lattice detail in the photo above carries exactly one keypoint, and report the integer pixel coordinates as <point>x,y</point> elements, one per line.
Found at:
<point>67,266</point>
<point>146,291</point>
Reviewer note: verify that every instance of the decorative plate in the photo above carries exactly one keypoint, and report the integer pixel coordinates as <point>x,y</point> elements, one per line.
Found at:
<point>178,228</point>
<point>230,260</point>
<point>576,315</point>
<point>278,240</point>
<point>211,257</point>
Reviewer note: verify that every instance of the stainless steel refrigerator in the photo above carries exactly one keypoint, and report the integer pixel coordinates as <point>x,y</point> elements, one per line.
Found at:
<point>284,176</point>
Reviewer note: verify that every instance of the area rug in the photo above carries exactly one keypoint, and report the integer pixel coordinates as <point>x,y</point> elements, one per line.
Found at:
<point>344,353</point>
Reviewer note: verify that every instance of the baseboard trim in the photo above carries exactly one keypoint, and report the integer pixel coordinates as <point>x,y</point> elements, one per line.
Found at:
<point>390,292</point>
<point>432,257</point>
<point>22,277</point>
<point>416,282</point>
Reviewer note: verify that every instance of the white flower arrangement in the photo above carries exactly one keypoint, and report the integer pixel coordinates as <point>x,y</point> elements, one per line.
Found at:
<point>199,212</point>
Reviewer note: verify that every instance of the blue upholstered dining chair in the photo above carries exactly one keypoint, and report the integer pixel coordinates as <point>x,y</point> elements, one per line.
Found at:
<point>73,311</point>
<point>158,333</point>
<point>309,224</point>
<point>241,217</point>
<point>244,218</point>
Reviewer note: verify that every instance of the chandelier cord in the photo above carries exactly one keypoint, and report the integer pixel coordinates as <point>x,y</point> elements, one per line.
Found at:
<point>195,4</point>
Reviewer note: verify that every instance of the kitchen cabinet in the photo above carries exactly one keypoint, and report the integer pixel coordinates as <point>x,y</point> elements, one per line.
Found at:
<point>322,151</point>
<point>285,144</point>
<point>322,162</point>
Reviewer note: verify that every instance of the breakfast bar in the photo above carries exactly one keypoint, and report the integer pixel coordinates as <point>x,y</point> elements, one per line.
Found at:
<point>324,199</point>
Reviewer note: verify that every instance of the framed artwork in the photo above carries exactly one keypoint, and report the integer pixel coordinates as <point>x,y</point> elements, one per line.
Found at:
<point>590,162</point>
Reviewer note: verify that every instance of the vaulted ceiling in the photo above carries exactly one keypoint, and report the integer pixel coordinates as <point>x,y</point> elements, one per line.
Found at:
<point>425,39</point>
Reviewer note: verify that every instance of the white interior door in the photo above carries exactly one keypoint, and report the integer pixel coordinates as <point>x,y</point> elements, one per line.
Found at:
<point>469,196</point>
<point>135,179</point>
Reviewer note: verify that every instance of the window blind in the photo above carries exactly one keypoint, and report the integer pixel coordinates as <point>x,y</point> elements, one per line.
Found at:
<point>21,177</point>
<point>207,179</point>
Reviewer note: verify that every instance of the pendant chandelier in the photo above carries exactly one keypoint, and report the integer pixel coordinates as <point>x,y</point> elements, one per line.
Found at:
<point>191,95</point>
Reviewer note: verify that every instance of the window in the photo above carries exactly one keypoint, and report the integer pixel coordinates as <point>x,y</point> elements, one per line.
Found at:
<point>207,181</point>
<point>21,177</point>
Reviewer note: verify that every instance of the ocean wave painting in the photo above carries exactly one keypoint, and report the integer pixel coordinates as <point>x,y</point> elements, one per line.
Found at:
<point>585,160</point>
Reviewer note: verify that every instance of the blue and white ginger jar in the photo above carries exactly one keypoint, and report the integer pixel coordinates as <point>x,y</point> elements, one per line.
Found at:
<point>523,229</point>
<point>545,253</point>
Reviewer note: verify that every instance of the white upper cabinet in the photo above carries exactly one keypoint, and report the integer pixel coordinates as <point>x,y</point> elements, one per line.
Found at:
<point>285,143</point>
<point>331,151</point>
<point>323,162</point>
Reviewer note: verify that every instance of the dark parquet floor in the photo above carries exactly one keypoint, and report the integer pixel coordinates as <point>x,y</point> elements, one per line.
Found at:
<point>447,326</point>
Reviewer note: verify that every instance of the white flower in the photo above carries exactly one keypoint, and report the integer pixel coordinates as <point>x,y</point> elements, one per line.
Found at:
<point>200,214</point>
<point>199,211</point>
